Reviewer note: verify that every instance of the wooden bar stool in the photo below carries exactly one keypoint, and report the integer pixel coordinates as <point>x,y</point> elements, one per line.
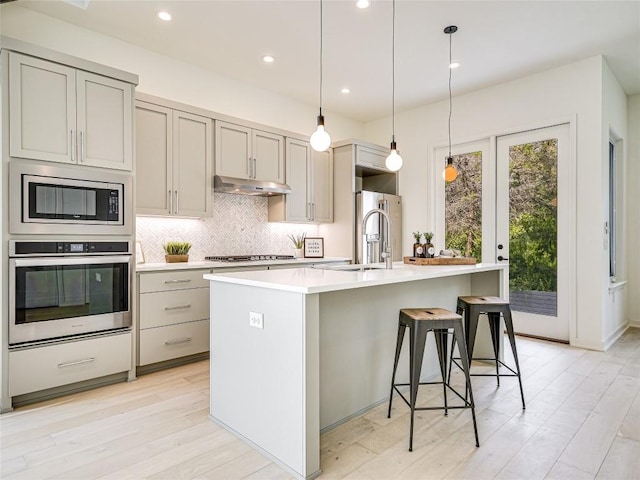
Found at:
<point>472,307</point>
<point>420,321</point>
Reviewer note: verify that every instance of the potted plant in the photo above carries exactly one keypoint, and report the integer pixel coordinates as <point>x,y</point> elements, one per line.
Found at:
<point>176,251</point>
<point>418,249</point>
<point>429,249</point>
<point>298,243</point>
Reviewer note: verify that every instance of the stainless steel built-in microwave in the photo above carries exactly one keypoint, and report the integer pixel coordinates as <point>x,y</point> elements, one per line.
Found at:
<point>47,199</point>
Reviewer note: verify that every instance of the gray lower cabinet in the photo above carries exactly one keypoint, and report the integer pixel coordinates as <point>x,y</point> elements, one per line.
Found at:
<point>42,367</point>
<point>173,313</point>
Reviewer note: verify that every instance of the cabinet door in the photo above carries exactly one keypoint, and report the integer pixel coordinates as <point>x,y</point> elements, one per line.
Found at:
<point>192,165</point>
<point>268,156</point>
<point>368,157</point>
<point>104,116</point>
<point>42,110</point>
<point>154,167</point>
<point>322,186</point>
<point>298,203</point>
<point>233,150</point>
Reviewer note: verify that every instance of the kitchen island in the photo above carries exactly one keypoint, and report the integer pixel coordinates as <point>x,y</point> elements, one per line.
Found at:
<point>294,352</point>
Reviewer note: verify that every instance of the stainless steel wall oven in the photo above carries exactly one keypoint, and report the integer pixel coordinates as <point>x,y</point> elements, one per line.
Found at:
<point>62,289</point>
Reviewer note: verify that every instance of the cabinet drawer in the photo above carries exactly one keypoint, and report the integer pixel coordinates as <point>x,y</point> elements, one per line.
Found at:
<point>168,308</point>
<point>163,281</point>
<point>54,365</point>
<point>370,158</point>
<point>174,341</point>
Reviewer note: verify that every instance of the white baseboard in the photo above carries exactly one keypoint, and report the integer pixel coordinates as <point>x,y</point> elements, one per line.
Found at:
<point>613,338</point>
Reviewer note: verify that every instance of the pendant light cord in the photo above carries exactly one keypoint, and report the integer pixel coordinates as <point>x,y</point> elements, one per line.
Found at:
<point>450,101</point>
<point>393,74</point>
<point>320,57</point>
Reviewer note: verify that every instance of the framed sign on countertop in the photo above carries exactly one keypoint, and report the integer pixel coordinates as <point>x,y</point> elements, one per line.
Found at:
<point>314,247</point>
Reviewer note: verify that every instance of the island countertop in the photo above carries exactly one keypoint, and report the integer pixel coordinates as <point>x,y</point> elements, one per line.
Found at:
<point>320,280</point>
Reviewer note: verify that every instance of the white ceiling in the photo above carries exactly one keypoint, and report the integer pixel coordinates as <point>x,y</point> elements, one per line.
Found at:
<point>497,41</point>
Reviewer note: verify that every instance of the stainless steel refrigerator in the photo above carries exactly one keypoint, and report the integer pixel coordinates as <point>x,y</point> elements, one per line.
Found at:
<point>376,226</point>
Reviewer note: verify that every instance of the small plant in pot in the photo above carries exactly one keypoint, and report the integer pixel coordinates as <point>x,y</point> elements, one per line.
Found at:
<point>298,243</point>
<point>429,249</point>
<point>176,251</point>
<point>418,249</point>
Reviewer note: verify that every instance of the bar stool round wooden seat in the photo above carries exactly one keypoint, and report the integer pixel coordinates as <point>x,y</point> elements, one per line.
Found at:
<point>494,307</point>
<point>420,321</point>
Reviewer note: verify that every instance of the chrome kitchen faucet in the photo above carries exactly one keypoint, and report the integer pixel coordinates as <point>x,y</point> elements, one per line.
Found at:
<point>386,241</point>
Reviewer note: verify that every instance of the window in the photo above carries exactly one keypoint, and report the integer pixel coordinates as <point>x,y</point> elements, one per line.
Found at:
<point>612,210</point>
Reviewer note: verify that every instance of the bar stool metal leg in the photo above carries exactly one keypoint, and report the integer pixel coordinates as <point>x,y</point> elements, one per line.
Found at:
<point>401,330</point>
<point>512,340</point>
<point>416,354</point>
<point>494,327</point>
<point>465,366</point>
<point>441,346</point>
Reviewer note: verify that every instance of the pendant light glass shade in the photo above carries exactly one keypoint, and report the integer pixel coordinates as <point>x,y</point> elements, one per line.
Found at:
<point>394,160</point>
<point>320,139</point>
<point>450,173</point>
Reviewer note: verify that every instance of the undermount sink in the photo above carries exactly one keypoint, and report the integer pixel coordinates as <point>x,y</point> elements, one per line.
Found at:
<point>352,268</point>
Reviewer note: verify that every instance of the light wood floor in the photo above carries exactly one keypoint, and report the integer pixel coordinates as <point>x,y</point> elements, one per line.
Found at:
<point>582,421</point>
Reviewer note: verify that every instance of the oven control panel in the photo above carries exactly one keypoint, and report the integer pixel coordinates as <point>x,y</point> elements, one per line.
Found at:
<point>18,248</point>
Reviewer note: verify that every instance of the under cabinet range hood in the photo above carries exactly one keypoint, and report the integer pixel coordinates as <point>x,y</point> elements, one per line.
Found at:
<point>243,186</point>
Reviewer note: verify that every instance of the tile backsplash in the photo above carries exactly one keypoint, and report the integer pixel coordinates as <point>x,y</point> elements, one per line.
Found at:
<point>238,226</point>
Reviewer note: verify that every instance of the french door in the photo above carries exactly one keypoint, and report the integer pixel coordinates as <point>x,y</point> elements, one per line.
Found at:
<point>534,215</point>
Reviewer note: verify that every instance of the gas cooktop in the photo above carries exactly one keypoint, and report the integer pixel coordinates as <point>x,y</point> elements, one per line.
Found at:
<point>247,258</point>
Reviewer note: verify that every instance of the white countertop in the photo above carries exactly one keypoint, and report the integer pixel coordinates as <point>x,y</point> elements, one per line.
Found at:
<point>154,267</point>
<point>317,280</point>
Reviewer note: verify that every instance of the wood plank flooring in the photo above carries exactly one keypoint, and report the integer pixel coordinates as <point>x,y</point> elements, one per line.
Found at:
<point>582,422</point>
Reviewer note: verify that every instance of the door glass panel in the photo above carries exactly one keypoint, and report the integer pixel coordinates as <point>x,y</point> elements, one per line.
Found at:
<point>463,206</point>
<point>533,227</point>
<point>65,291</point>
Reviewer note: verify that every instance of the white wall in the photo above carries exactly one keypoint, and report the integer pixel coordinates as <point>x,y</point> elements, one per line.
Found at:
<point>614,126</point>
<point>571,91</point>
<point>169,78</point>
<point>633,212</point>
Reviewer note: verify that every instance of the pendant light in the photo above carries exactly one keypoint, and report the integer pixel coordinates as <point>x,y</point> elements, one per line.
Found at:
<point>450,173</point>
<point>320,139</point>
<point>394,160</point>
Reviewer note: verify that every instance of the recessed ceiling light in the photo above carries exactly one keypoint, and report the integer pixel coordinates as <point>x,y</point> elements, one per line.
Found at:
<point>345,90</point>
<point>162,15</point>
<point>454,65</point>
<point>268,59</point>
<point>363,3</point>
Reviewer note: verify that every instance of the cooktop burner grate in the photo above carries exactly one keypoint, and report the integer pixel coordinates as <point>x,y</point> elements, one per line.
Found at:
<point>247,258</point>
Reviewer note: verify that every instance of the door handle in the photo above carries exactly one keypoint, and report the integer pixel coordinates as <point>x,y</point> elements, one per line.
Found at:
<point>250,165</point>
<point>72,147</point>
<point>170,201</point>
<point>81,146</point>
<point>186,280</point>
<point>78,362</point>
<point>177,341</point>
<point>178,307</point>
<point>501,258</point>
<point>177,205</point>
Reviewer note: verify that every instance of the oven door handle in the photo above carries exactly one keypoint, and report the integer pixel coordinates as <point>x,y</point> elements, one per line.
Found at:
<point>80,260</point>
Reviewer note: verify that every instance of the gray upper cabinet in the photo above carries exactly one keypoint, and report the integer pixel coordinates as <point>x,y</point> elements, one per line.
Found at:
<point>243,152</point>
<point>60,114</point>
<point>310,176</point>
<point>173,162</point>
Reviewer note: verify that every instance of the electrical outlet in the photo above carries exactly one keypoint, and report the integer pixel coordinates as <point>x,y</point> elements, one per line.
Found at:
<point>256,320</point>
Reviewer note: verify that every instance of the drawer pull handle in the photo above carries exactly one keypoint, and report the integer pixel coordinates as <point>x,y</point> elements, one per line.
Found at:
<point>178,307</point>
<point>178,340</point>
<point>78,362</point>
<point>186,280</point>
